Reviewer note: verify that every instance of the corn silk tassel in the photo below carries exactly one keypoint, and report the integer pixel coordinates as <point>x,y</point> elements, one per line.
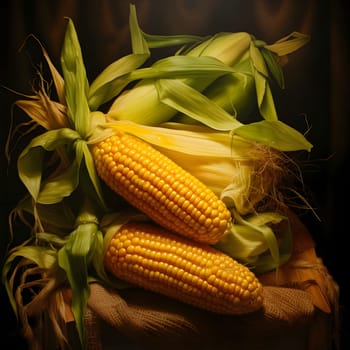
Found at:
<point>74,127</point>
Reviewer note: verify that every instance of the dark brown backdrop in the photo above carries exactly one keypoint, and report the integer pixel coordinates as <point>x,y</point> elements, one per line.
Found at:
<point>316,85</point>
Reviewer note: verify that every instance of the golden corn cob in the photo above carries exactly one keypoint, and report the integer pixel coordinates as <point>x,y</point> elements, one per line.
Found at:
<point>160,188</point>
<point>153,258</point>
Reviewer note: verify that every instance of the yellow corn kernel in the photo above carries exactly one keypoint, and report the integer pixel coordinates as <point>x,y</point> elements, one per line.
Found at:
<point>155,259</point>
<point>160,188</point>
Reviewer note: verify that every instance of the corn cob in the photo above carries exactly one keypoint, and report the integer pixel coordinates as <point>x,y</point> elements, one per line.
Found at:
<point>160,188</point>
<point>229,48</point>
<point>155,259</point>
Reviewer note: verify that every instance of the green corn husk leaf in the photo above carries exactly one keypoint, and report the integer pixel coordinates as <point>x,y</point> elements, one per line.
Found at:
<point>30,162</point>
<point>265,100</point>
<point>261,73</point>
<point>72,259</point>
<point>138,42</point>
<point>264,64</point>
<point>98,256</point>
<point>265,262</point>
<point>66,182</point>
<point>235,93</point>
<point>75,258</point>
<point>253,242</point>
<point>288,44</point>
<point>275,134</point>
<point>183,67</point>
<point>244,241</point>
<point>228,48</point>
<point>239,96</point>
<point>275,55</point>
<point>161,41</point>
<point>273,66</point>
<point>266,60</point>
<point>245,94</point>
<point>76,83</point>
<point>55,189</point>
<point>76,89</point>
<point>190,102</point>
<point>114,78</point>
<point>117,76</point>
<point>83,149</point>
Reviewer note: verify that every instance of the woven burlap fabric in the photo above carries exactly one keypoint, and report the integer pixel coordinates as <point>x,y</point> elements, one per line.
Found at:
<point>144,320</point>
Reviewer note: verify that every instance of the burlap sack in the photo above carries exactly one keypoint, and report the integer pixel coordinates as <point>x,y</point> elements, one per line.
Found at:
<point>142,320</point>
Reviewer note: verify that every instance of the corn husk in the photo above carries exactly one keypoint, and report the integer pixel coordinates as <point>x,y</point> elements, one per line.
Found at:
<point>255,65</point>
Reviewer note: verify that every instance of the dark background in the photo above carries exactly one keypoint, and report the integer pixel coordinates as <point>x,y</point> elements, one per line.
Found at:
<point>317,91</point>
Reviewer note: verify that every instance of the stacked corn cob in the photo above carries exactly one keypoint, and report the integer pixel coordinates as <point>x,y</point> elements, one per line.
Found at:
<point>158,260</point>
<point>172,251</point>
<point>160,188</point>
